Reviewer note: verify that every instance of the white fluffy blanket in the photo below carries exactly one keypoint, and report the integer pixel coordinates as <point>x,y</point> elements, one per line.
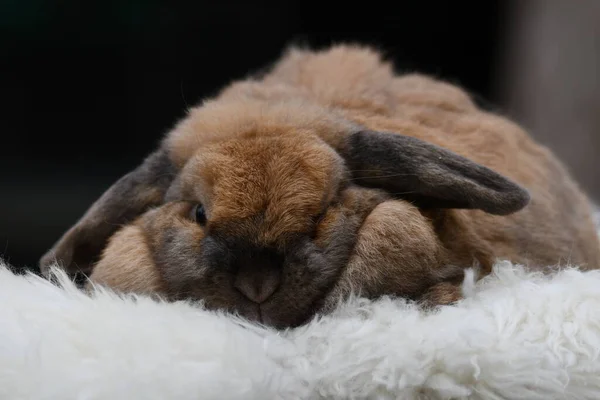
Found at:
<point>516,336</point>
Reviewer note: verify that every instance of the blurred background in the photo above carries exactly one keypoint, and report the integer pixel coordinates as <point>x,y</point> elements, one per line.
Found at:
<point>88,89</point>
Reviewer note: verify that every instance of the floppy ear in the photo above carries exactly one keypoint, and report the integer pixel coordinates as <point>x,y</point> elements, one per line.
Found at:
<point>130,196</point>
<point>429,175</point>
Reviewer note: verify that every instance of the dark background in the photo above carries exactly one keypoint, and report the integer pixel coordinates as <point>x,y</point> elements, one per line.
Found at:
<point>88,89</point>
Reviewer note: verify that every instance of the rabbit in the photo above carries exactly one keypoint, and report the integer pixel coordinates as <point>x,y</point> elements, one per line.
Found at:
<point>329,175</point>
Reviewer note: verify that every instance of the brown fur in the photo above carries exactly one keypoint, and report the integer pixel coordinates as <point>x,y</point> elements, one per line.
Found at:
<point>268,159</point>
<point>127,261</point>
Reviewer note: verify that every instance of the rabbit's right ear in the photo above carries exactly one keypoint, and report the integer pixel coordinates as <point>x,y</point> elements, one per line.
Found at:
<point>144,187</point>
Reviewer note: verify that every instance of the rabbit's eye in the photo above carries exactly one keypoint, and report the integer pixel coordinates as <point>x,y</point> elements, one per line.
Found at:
<point>200,214</point>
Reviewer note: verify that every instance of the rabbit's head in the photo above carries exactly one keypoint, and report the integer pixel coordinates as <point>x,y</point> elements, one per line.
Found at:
<point>259,209</point>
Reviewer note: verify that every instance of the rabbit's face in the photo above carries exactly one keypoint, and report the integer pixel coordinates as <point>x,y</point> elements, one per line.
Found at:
<point>258,226</point>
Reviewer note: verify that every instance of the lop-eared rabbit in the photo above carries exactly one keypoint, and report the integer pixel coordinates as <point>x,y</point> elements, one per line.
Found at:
<point>330,174</point>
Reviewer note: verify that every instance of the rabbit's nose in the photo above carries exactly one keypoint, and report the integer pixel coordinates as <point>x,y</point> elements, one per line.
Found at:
<point>258,273</point>
<point>257,282</point>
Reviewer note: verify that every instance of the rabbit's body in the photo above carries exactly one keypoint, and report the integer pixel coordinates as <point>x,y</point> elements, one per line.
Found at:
<point>275,156</point>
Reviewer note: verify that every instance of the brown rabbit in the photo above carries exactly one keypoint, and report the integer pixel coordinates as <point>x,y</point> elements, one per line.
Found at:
<point>329,175</point>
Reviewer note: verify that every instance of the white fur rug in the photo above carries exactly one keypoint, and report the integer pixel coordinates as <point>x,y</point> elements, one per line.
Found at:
<point>516,336</point>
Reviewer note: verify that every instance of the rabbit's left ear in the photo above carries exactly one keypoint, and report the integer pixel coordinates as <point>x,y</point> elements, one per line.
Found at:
<point>144,187</point>
<point>429,175</point>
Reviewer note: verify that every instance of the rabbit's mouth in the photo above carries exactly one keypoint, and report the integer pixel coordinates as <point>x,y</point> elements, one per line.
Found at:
<point>274,314</point>
<point>255,312</point>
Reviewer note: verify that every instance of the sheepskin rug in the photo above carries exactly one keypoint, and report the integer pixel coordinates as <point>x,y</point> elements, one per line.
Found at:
<point>517,335</point>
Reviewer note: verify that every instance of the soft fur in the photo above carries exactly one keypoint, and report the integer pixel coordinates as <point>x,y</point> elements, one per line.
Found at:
<point>518,335</point>
<point>328,174</point>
